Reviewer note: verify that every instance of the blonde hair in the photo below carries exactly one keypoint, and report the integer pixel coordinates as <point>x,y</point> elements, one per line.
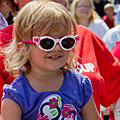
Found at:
<point>37,18</point>
<point>94,15</point>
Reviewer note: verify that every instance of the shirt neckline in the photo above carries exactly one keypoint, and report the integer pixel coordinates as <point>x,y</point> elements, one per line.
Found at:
<point>30,87</point>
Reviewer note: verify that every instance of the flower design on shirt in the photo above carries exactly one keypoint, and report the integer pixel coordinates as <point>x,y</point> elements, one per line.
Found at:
<point>65,112</point>
<point>53,108</point>
<point>53,103</point>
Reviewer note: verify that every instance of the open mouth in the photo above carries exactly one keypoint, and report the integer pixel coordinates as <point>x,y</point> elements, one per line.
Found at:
<point>54,57</point>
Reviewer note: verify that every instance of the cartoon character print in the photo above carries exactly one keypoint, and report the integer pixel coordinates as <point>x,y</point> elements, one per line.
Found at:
<point>52,108</point>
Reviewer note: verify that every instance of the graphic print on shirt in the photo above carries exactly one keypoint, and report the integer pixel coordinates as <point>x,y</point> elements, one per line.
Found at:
<point>53,108</point>
<point>88,67</point>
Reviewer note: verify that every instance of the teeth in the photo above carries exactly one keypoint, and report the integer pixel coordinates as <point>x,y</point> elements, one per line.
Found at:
<point>54,57</point>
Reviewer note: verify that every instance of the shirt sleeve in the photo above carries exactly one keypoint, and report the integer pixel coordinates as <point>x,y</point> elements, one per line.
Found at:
<point>87,90</point>
<point>12,93</point>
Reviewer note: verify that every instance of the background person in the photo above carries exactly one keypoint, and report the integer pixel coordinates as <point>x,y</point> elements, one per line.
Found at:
<point>5,77</point>
<point>84,14</point>
<point>96,65</point>
<point>4,11</point>
<point>112,36</point>
<point>109,15</point>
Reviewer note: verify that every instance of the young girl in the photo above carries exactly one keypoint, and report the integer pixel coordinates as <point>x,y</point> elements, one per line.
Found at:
<point>47,87</point>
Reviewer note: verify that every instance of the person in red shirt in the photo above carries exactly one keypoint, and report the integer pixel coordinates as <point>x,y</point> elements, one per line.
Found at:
<point>109,15</point>
<point>5,38</point>
<point>5,77</point>
<point>98,63</point>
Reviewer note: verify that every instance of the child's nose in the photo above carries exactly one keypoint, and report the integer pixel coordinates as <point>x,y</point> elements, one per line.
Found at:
<point>57,47</point>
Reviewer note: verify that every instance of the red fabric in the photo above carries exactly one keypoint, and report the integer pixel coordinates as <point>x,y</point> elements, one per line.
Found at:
<point>6,35</point>
<point>99,64</point>
<point>116,50</point>
<point>109,23</point>
<point>5,77</point>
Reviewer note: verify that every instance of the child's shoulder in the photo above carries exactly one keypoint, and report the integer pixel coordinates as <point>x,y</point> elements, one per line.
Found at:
<point>78,78</point>
<point>17,84</point>
<point>78,86</point>
<point>18,79</point>
<point>16,90</point>
<point>76,74</point>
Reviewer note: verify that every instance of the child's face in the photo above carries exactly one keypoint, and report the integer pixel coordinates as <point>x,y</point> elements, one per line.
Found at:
<point>109,11</point>
<point>49,60</point>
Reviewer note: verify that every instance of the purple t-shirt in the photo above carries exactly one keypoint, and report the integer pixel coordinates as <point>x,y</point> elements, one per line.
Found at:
<point>64,104</point>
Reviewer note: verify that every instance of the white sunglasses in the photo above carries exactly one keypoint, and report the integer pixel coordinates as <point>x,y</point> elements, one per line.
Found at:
<point>48,43</point>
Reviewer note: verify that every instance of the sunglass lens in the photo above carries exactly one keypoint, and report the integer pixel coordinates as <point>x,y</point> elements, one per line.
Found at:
<point>47,43</point>
<point>68,43</point>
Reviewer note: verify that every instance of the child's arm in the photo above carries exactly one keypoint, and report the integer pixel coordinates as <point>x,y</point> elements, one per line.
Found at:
<point>89,111</point>
<point>10,110</point>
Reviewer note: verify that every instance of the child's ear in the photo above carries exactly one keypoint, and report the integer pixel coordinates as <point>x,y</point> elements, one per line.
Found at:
<point>19,45</point>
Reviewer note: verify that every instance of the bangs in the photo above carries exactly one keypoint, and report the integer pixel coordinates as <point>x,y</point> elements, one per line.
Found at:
<point>51,19</point>
<point>50,26</point>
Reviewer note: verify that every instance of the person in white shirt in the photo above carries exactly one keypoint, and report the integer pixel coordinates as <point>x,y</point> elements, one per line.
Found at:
<point>112,36</point>
<point>84,14</point>
<point>99,27</point>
